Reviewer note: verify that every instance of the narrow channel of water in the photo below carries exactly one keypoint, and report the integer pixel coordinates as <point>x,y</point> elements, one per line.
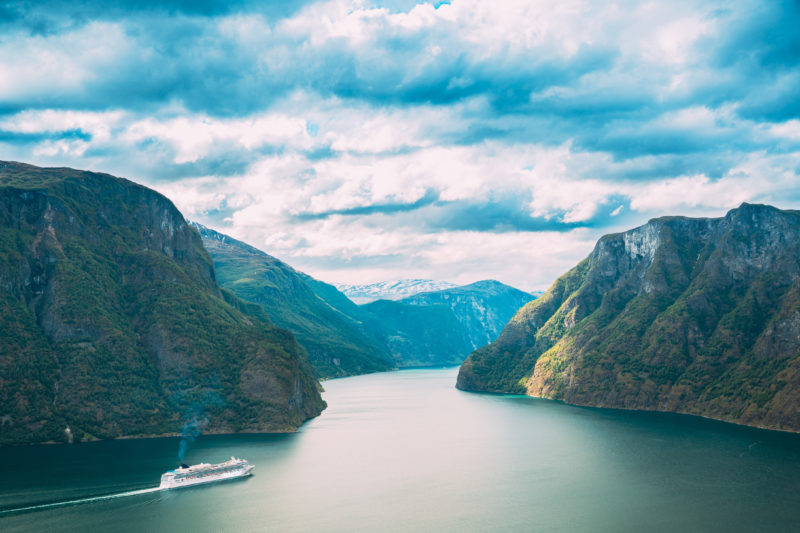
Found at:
<point>406,451</point>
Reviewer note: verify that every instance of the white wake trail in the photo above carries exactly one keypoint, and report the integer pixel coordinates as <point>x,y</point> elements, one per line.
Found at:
<point>77,502</point>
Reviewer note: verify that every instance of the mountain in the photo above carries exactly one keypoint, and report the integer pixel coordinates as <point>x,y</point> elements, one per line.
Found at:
<point>391,290</point>
<point>112,323</point>
<point>689,315</point>
<point>443,327</point>
<point>327,324</point>
<point>342,338</point>
<point>419,335</point>
<point>482,308</point>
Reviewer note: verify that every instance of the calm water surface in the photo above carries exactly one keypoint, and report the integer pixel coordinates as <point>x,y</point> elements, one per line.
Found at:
<point>405,451</point>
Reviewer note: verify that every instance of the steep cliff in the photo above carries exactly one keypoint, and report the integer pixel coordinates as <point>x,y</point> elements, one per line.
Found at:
<point>325,322</point>
<point>112,323</point>
<point>442,327</point>
<point>696,316</point>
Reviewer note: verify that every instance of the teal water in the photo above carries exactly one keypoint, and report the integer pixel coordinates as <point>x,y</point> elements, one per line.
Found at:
<point>406,451</point>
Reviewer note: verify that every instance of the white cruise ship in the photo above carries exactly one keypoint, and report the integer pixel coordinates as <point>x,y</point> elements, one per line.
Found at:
<point>186,476</point>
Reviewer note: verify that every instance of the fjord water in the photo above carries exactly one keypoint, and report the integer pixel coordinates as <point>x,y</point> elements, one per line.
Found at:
<point>406,451</point>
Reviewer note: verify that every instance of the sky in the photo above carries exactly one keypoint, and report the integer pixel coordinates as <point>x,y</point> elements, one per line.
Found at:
<point>362,141</point>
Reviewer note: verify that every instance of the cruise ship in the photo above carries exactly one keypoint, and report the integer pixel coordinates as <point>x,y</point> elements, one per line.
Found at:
<point>186,476</point>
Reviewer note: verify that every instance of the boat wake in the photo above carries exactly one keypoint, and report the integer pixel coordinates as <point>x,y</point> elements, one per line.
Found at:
<point>54,505</point>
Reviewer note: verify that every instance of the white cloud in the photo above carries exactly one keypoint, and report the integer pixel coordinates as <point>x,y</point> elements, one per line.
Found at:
<point>674,40</point>
<point>194,137</point>
<point>789,129</point>
<point>98,125</point>
<point>761,178</point>
<point>32,66</point>
<point>563,114</point>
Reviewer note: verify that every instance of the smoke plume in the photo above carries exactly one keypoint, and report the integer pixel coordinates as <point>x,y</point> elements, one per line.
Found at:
<point>190,431</point>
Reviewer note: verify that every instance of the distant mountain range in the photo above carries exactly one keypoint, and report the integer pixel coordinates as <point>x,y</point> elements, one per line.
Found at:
<point>483,307</point>
<point>433,328</point>
<point>112,323</point>
<point>442,327</point>
<point>391,290</point>
<point>691,315</point>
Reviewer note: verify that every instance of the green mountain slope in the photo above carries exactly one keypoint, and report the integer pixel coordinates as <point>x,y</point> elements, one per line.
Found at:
<point>696,316</point>
<point>112,323</point>
<point>419,335</point>
<point>342,338</point>
<point>443,327</point>
<point>324,321</point>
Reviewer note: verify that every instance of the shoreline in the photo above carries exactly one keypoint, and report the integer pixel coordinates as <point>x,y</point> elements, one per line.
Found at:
<point>640,410</point>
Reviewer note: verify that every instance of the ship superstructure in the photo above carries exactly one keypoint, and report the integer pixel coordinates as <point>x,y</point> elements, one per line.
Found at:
<point>205,473</point>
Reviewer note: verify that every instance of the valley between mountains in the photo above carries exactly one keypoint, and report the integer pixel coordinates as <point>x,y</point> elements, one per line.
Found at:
<point>121,319</point>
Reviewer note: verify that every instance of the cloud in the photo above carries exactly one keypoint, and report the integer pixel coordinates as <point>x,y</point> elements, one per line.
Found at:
<point>46,17</point>
<point>387,208</point>
<point>238,63</point>
<point>377,139</point>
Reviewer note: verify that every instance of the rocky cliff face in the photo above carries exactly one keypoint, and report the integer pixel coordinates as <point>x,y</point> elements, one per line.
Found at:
<point>697,316</point>
<point>112,322</point>
<point>326,323</point>
<point>442,327</point>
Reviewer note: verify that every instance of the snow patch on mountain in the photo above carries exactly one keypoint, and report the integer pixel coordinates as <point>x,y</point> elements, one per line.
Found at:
<point>392,290</point>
